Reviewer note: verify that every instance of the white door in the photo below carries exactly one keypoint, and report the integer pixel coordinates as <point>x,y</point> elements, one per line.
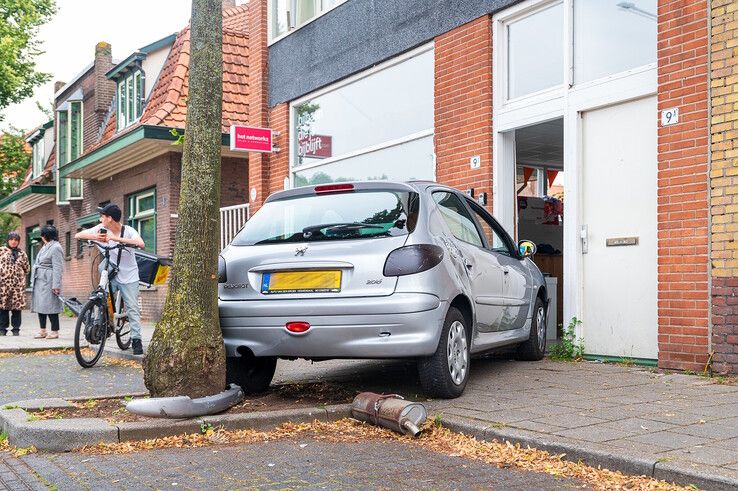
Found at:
<point>619,261</point>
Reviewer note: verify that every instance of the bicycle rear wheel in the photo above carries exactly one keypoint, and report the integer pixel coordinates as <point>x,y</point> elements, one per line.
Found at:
<point>90,333</point>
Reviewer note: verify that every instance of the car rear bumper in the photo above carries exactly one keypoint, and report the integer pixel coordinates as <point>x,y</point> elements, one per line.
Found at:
<point>395,326</point>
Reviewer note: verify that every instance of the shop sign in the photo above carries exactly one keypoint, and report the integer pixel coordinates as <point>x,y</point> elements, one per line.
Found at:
<point>251,139</point>
<point>314,146</point>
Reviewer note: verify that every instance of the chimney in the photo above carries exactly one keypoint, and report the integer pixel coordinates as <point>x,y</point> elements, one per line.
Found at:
<point>228,4</point>
<point>104,88</point>
<point>58,85</point>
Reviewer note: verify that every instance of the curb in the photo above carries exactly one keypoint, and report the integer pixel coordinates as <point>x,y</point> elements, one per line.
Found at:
<point>631,465</point>
<point>60,435</point>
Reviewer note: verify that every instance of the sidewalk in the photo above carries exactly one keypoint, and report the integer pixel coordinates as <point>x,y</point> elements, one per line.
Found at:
<point>29,328</point>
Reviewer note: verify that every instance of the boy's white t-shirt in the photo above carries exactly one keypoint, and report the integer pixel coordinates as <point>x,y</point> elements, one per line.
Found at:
<point>127,269</point>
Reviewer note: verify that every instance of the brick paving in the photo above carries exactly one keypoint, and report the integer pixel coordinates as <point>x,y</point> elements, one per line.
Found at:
<point>290,464</point>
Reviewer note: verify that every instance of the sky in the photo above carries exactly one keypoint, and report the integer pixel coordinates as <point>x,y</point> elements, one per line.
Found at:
<point>69,40</point>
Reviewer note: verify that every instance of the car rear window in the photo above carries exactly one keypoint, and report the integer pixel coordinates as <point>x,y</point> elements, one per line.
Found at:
<point>340,216</point>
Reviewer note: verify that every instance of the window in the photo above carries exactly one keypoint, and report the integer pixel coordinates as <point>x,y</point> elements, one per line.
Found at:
<point>130,99</point>
<point>457,218</point>
<point>33,245</point>
<point>38,158</point>
<point>385,132</point>
<point>496,239</point>
<point>534,64</point>
<point>286,15</point>
<point>141,215</point>
<point>69,147</point>
<point>612,36</point>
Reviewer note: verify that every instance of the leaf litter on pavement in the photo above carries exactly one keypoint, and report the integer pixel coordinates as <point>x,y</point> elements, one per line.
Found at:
<point>434,438</point>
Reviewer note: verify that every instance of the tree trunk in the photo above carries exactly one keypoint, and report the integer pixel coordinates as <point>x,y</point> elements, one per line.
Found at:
<point>186,355</point>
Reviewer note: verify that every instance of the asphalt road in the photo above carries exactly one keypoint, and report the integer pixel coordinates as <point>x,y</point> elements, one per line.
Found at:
<point>286,464</point>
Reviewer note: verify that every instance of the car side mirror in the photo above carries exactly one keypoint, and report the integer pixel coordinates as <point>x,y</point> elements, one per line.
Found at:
<point>527,248</point>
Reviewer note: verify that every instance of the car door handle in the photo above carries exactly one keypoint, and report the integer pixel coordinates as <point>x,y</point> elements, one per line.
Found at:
<point>468,264</point>
<point>505,271</point>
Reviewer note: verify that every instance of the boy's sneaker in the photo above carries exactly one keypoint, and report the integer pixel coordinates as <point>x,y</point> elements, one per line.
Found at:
<point>137,347</point>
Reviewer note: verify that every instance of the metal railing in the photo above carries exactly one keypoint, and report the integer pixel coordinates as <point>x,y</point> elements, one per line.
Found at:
<point>232,218</point>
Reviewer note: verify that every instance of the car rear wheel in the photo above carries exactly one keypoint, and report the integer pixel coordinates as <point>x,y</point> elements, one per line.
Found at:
<point>445,373</point>
<point>535,347</point>
<point>252,374</point>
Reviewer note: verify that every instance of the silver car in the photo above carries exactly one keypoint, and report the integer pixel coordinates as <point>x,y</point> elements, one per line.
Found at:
<point>377,270</point>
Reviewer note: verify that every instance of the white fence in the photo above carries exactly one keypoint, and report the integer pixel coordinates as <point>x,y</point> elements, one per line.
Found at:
<point>232,218</point>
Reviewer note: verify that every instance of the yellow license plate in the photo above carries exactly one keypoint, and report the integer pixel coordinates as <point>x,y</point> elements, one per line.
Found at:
<point>301,282</point>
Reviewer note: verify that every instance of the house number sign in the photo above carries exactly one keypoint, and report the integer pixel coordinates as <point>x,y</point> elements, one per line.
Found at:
<point>621,241</point>
<point>670,116</point>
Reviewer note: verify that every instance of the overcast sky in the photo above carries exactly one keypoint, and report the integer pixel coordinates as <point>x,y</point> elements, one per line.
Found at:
<point>69,42</point>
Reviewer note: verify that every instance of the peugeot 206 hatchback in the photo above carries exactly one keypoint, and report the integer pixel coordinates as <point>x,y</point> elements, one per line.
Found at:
<point>377,270</point>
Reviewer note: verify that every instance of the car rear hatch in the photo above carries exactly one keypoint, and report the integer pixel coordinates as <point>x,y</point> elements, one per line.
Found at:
<point>313,245</point>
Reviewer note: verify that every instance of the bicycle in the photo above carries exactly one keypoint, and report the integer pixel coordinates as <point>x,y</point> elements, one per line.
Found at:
<point>102,316</point>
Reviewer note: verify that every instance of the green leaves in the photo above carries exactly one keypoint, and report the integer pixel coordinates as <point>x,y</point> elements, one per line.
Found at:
<point>19,23</point>
<point>569,347</point>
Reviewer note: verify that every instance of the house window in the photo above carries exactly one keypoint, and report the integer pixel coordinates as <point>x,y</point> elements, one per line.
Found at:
<point>69,147</point>
<point>534,65</point>
<point>141,215</point>
<point>33,245</point>
<point>287,15</point>
<point>130,99</point>
<point>382,134</point>
<point>68,245</point>
<point>38,158</point>
<point>612,37</point>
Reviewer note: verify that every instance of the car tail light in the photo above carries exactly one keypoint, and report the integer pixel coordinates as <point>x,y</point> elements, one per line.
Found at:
<point>297,327</point>
<point>221,270</point>
<point>333,188</point>
<point>412,259</point>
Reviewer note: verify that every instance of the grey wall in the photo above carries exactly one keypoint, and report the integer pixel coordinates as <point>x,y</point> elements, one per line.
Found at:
<point>359,34</point>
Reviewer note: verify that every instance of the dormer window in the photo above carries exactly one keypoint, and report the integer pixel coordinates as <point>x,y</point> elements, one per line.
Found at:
<point>38,158</point>
<point>69,146</point>
<point>130,99</point>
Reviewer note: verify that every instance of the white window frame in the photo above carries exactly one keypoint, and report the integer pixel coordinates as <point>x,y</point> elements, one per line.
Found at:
<point>137,216</point>
<point>290,29</point>
<point>568,103</point>
<point>124,117</point>
<point>62,200</point>
<point>373,148</point>
<point>39,151</point>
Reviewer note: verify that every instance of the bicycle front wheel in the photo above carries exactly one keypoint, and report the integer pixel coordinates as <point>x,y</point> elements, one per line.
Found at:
<point>90,333</point>
<point>123,334</point>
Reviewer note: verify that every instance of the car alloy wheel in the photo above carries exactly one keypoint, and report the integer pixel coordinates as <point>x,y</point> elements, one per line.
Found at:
<point>541,326</point>
<point>457,353</point>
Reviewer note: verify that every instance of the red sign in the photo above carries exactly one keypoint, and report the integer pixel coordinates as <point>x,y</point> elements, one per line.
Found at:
<point>250,139</point>
<point>314,146</point>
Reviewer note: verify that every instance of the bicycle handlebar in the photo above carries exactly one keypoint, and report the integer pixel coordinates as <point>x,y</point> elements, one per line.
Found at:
<point>110,248</point>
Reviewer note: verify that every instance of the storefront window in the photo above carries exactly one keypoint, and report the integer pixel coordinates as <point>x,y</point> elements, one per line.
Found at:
<point>535,52</point>
<point>377,127</point>
<point>612,36</point>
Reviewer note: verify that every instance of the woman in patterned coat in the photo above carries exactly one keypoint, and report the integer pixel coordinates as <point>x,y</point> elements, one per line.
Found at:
<point>13,270</point>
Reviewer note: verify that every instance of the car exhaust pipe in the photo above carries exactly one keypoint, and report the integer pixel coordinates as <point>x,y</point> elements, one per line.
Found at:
<point>390,411</point>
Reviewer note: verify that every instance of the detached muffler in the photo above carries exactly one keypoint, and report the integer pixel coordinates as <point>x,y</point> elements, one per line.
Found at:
<point>390,411</point>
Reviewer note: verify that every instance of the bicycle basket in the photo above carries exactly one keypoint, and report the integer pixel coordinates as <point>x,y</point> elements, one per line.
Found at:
<point>152,269</point>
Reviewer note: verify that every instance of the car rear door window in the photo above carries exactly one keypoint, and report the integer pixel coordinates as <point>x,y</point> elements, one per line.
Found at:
<point>457,218</point>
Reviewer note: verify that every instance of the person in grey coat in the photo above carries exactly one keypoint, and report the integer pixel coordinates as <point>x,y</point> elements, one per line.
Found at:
<point>47,276</point>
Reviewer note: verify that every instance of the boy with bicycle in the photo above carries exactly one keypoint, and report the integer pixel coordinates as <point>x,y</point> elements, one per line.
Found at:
<point>111,232</point>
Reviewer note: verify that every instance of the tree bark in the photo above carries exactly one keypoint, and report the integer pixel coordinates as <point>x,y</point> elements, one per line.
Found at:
<point>186,355</point>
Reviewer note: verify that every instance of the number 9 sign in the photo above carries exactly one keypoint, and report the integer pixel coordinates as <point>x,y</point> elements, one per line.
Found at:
<point>670,116</point>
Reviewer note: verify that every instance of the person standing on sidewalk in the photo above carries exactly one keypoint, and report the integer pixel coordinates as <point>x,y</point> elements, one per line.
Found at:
<point>47,276</point>
<point>110,231</point>
<point>13,270</point>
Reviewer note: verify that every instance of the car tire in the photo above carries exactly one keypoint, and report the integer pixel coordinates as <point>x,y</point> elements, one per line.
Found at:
<point>535,347</point>
<point>252,374</point>
<point>445,373</point>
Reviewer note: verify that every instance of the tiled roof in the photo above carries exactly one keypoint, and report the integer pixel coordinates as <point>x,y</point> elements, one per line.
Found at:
<point>167,104</point>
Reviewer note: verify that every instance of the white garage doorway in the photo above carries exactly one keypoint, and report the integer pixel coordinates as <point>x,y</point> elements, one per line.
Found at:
<point>618,230</point>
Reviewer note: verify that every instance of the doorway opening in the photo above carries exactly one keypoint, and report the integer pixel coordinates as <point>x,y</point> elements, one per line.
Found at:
<point>539,185</point>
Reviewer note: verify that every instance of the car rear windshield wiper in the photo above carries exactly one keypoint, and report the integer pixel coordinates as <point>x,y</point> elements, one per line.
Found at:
<point>334,227</point>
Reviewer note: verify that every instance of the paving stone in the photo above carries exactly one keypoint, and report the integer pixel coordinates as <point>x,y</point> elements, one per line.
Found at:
<point>669,439</point>
<point>593,433</point>
<point>639,426</point>
<point>569,420</point>
<point>710,455</point>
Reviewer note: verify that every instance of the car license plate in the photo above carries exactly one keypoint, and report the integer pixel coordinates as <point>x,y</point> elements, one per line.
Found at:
<point>301,282</point>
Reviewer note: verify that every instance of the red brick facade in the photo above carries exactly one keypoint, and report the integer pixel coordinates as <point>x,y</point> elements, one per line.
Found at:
<point>683,214</point>
<point>463,106</point>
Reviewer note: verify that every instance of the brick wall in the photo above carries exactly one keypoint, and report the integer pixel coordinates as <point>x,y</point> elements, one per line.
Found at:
<point>463,106</point>
<point>258,109</point>
<point>724,184</point>
<point>683,299</point>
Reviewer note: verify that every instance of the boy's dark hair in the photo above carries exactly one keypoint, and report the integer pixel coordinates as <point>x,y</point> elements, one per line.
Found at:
<point>49,232</point>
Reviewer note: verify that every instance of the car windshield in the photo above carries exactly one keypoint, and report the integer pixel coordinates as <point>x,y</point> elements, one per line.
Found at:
<point>339,216</point>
